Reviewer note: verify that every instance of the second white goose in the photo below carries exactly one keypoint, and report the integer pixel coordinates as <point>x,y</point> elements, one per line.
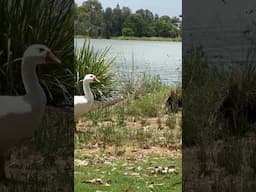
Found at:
<point>84,103</point>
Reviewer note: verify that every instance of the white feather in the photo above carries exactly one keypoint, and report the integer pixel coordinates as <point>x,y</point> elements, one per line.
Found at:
<point>13,105</point>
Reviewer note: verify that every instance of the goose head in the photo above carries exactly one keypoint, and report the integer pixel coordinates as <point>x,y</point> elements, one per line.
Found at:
<point>90,78</point>
<point>40,54</point>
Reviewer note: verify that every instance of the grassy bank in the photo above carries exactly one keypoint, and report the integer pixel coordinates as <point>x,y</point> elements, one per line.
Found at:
<point>137,122</point>
<point>120,148</point>
<point>134,145</point>
<point>178,39</point>
<point>147,38</point>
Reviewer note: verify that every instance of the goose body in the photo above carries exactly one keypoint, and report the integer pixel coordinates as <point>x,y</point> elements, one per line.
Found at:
<point>84,103</point>
<point>21,115</point>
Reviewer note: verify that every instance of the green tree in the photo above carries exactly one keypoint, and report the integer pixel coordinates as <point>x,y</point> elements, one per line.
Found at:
<point>147,15</point>
<point>92,20</point>
<point>156,17</point>
<point>94,12</point>
<point>136,23</point>
<point>165,27</point>
<point>108,17</point>
<point>114,20</point>
<point>117,21</point>
<point>126,11</point>
<point>127,31</point>
<point>148,19</point>
<point>81,22</point>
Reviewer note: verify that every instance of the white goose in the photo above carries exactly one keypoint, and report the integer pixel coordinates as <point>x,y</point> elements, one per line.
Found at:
<point>84,103</point>
<point>21,115</point>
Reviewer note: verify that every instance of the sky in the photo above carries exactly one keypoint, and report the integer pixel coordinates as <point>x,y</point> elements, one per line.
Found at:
<point>161,7</point>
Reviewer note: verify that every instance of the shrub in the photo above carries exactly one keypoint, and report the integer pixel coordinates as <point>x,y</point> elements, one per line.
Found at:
<point>127,31</point>
<point>88,60</point>
<point>28,22</point>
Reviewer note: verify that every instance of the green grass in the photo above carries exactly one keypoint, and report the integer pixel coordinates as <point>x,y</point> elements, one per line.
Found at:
<point>138,121</point>
<point>148,105</point>
<point>119,176</point>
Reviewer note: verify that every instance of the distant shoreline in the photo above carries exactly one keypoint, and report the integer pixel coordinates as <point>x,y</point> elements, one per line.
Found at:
<point>178,39</point>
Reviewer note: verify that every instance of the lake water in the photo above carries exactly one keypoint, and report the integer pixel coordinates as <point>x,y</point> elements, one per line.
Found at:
<point>154,57</point>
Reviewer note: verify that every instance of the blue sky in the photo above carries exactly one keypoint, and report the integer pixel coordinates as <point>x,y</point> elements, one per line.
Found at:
<point>161,7</point>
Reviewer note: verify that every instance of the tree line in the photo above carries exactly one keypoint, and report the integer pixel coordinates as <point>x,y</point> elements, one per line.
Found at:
<point>94,21</point>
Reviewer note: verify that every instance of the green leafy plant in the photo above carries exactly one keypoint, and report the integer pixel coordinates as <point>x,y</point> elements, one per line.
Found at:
<point>88,60</point>
<point>45,22</point>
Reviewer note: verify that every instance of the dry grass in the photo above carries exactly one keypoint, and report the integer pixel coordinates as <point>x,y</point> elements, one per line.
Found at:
<point>218,131</point>
<point>144,132</point>
<point>227,166</point>
<point>44,162</point>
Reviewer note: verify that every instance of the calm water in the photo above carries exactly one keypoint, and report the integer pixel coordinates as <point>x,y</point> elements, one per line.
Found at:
<point>154,57</point>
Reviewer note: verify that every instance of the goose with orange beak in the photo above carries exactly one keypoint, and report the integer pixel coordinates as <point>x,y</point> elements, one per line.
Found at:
<point>83,104</point>
<point>20,116</point>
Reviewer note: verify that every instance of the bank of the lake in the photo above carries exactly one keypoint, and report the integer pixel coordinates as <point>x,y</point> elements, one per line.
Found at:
<point>178,39</point>
<point>147,38</point>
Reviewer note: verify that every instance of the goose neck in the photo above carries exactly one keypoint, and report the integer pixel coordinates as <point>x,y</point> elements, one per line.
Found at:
<point>30,79</point>
<point>87,90</point>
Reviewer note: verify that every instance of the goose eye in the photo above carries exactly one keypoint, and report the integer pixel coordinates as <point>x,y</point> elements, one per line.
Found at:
<point>41,50</point>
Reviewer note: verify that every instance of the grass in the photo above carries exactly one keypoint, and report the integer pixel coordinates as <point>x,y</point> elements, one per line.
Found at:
<point>132,121</point>
<point>148,105</point>
<point>132,85</point>
<point>218,132</point>
<point>130,175</point>
<point>44,162</point>
<point>178,39</point>
<point>122,144</point>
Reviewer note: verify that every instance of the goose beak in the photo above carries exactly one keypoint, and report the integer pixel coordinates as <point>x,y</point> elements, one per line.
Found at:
<point>50,57</point>
<point>96,80</point>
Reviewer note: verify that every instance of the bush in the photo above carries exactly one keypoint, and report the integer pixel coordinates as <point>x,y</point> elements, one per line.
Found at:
<point>136,85</point>
<point>148,105</point>
<point>203,92</point>
<point>28,22</point>
<point>217,102</point>
<point>88,60</point>
<point>127,31</point>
